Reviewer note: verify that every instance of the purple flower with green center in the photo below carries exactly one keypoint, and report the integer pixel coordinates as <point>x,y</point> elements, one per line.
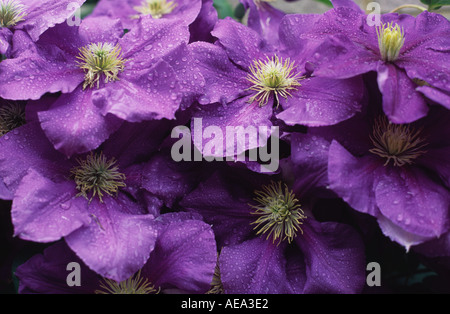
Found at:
<point>269,241</point>
<point>200,15</point>
<point>397,173</point>
<point>177,264</point>
<point>32,16</point>
<point>91,200</point>
<point>251,82</point>
<point>410,54</point>
<point>105,77</point>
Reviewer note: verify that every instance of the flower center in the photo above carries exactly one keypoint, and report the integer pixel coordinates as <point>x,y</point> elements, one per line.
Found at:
<point>280,215</point>
<point>11,13</point>
<point>133,285</point>
<point>273,76</point>
<point>216,284</point>
<point>390,41</point>
<point>156,8</point>
<point>97,175</point>
<point>100,59</point>
<point>396,142</point>
<point>12,115</point>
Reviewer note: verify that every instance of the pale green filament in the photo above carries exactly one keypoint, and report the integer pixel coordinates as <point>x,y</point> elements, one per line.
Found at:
<point>390,40</point>
<point>97,175</point>
<point>398,143</point>
<point>11,13</point>
<point>279,211</point>
<point>133,285</point>
<point>100,59</point>
<point>156,8</point>
<point>272,76</point>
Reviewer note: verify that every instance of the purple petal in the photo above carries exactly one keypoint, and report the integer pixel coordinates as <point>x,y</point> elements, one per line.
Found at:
<point>153,39</point>
<point>201,28</point>
<point>334,257</point>
<point>401,102</point>
<point>42,15</point>
<point>218,123</point>
<point>426,47</point>
<point>436,95</point>
<point>353,178</point>
<point>141,95</point>
<point>224,80</point>
<point>255,266</point>
<point>44,210</point>
<point>116,243</point>
<point>346,4</point>
<point>38,71</point>
<point>47,273</point>
<point>265,20</point>
<point>23,148</point>
<point>75,125</point>
<point>323,101</point>
<point>242,44</point>
<point>184,257</point>
<point>411,200</point>
<point>5,40</point>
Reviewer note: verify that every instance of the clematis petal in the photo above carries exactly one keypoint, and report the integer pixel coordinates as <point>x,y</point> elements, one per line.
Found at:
<point>254,266</point>
<point>411,200</point>
<point>46,211</point>
<point>42,15</point>
<point>223,79</point>
<point>314,105</point>
<point>242,44</point>
<point>75,125</point>
<point>115,234</point>
<point>353,178</point>
<point>334,258</point>
<point>401,102</point>
<point>185,255</point>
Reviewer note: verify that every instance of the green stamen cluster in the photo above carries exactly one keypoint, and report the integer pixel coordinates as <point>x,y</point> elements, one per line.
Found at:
<point>396,142</point>
<point>273,76</point>
<point>100,59</point>
<point>11,13</point>
<point>97,175</point>
<point>279,211</point>
<point>133,285</point>
<point>12,115</point>
<point>156,8</point>
<point>390,41</point>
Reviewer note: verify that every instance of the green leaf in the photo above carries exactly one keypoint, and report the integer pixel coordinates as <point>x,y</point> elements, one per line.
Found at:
<point>326,2</point>
<point>435,4</point>
<point>223,8</point>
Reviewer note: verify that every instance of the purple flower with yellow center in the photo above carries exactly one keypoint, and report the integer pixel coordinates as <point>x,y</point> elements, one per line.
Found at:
<point>397,173</point>
<point>199,15</point>
<point>32,16</point>
<point>90,200</point>
<point>410,54</point>
<point>104,77</point>
<point>177,264</point>
<point>269,240</point>
<point>250,82</point>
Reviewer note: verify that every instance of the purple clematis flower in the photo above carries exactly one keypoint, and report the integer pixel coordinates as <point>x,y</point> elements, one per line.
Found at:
<point>397,173</point>
<point>32,16</point>
<point>182,264</point>
<point>145,75</point>
<point>269,241</point>
<point>199,15</point>
<point>251,83</point>
<point>410,54</point>
<point>91,200</point>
